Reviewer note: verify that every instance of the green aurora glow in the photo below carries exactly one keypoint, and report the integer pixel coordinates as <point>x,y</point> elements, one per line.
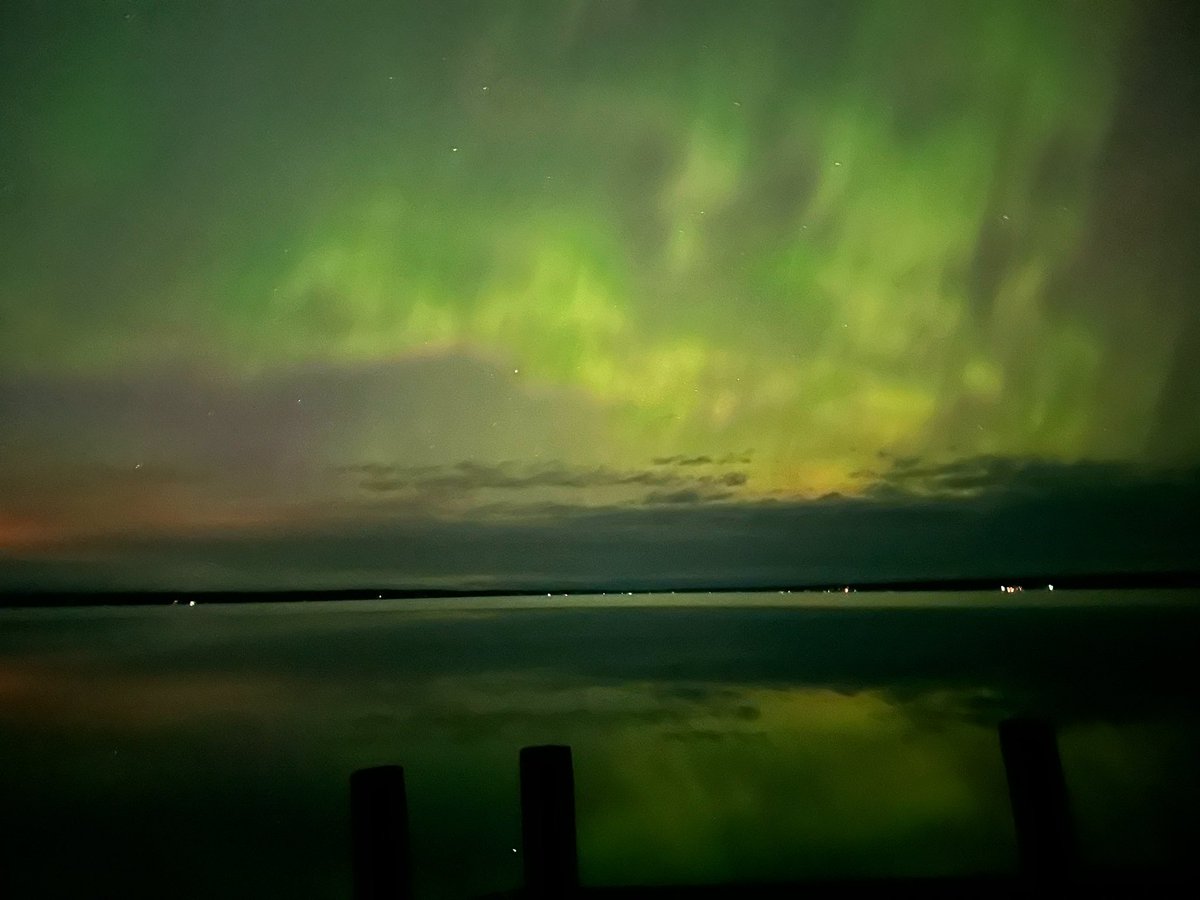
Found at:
<point>818,231</point>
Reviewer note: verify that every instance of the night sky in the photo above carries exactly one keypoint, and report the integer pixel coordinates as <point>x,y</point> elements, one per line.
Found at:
<point>619,293</point>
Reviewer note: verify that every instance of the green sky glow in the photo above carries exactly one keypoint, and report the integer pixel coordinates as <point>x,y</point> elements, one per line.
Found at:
<point>816,231</point>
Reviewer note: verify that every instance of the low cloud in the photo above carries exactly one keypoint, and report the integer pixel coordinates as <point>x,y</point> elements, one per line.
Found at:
<point>468,476</point>
<point>980,518</point>
<point>729,459</point>
<point>686,496</point>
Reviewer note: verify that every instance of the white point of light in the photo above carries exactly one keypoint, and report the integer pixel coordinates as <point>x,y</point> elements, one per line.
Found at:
<point>1050,586</point>
<point>191,603</point>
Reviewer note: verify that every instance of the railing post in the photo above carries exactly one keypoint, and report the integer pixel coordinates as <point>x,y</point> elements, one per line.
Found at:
<point>548,821</point>
<point>1038,791</point>
<point>379,829</point>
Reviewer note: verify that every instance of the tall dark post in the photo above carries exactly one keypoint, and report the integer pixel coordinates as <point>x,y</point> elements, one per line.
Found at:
<point>548,821</point>
<point>379,827</point>
<point>1038,791</point>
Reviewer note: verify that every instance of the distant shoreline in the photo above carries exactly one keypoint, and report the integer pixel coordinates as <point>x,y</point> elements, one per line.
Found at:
<point>1039,584</point>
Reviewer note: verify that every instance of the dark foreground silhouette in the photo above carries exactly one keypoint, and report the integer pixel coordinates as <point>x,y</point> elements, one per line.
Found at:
<point>1037,790</point>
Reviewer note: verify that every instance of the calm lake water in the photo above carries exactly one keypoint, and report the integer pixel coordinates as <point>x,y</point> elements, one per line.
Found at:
<point>205,752</point>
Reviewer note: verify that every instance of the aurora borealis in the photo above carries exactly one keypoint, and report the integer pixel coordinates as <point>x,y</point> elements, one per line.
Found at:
<point>577,297</point>
<point>286,289</point>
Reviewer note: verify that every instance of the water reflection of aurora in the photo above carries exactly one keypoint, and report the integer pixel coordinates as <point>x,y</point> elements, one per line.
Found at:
<point>710,743</point>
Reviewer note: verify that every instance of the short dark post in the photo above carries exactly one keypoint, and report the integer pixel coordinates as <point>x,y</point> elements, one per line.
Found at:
<point>548,821</point>
<point>379,826</point>
<point>1038,791</point>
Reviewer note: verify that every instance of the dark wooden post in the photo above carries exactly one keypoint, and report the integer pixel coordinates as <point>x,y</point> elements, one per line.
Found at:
<point>379,827</point>
<point>548,821</point>
<point>1038,791</point>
